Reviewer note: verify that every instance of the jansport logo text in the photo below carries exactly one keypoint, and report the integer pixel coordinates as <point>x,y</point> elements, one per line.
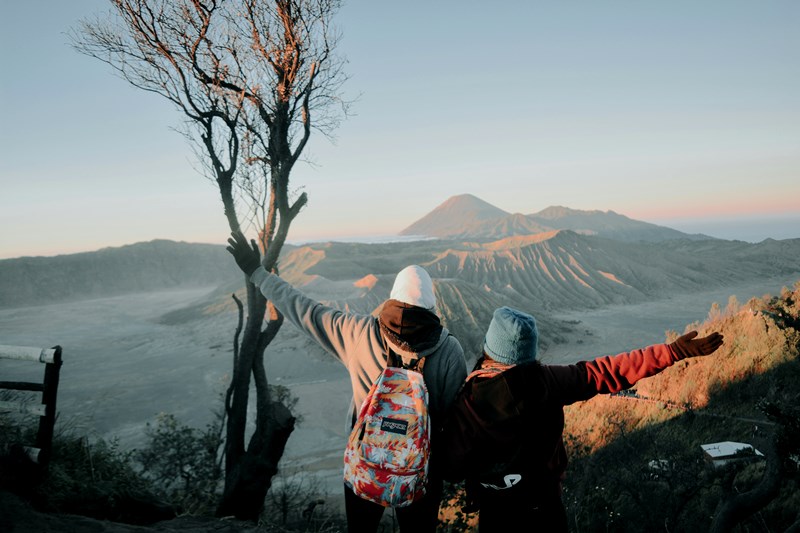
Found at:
<point>394,426</point>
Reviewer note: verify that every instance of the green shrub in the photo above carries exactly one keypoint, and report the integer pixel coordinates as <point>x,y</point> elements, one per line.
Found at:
<point>92,477</point>
<point>183,463</point>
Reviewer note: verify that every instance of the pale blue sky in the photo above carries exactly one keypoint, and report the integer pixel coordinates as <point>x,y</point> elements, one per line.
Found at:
<point>682,113</point>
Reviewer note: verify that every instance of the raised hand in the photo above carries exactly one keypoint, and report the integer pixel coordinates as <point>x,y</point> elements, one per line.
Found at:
<point>246,255</point>
<point>689,346</point>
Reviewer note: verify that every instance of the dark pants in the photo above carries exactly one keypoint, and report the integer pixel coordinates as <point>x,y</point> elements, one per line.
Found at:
<point>518,509</point>
<point>422,516</point>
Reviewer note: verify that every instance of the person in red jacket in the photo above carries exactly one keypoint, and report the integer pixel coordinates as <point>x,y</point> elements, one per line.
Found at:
<point>504,432</point>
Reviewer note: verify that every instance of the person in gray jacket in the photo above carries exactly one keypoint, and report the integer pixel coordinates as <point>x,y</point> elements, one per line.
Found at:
<point>409,326</point>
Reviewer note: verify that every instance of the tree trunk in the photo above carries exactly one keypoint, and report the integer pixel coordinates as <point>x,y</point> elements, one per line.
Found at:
<point>251,477</point>
<point>249,470</point>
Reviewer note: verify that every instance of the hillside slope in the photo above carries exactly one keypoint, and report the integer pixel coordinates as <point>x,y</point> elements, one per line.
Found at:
<point>141,267</point>
<point>564,270</point>
<point>748,391</point>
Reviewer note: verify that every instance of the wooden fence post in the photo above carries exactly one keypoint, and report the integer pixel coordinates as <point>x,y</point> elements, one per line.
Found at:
<point>47,423</point>
<point>48,387</point>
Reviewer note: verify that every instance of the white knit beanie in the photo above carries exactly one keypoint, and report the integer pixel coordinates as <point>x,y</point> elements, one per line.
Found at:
<point>413,286</point>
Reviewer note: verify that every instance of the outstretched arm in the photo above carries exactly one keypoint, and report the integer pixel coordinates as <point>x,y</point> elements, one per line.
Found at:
<point>611,374</point>
<point>336,331</point>
<point>690,346</point>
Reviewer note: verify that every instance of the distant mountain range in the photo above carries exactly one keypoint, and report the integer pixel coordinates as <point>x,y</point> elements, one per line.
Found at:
<point>141,267</point>
<point>468,217</point>
<point>602,258</point>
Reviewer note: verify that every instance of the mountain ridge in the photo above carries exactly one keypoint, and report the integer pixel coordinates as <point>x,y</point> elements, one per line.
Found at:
<point>557,269</point>
<point>548,273</point>
<point>140,267</point>
<point>466,216</point>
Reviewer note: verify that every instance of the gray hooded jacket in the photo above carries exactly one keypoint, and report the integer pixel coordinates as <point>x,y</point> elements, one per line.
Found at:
<point>356,341</point>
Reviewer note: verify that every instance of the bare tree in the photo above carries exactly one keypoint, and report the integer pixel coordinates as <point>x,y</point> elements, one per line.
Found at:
<point>247,75</point>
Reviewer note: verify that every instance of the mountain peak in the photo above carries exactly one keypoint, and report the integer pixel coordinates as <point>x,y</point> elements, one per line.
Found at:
<point>453,215</point>
<point>472,204</point>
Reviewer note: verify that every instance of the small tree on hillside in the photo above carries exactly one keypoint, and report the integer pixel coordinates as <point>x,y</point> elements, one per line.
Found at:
<point>248,75</point>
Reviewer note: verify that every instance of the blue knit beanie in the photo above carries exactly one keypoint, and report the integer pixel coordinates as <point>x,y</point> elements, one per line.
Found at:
<point>512,337</point>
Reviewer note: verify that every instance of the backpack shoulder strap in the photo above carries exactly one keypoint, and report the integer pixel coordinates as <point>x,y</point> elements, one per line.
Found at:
<point>416,364</point>
<point>393,359</point>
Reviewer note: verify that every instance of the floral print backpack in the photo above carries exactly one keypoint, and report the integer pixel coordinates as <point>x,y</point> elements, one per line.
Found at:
<point>386,459</point>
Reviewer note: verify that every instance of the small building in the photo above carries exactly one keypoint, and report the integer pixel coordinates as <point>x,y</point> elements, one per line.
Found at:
<point>719,454</point>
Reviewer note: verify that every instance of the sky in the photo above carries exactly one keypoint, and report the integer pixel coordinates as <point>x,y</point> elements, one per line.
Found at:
<point>680,113</point>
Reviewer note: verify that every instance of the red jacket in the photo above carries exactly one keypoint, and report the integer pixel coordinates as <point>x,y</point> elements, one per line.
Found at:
<point>512,422</point>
